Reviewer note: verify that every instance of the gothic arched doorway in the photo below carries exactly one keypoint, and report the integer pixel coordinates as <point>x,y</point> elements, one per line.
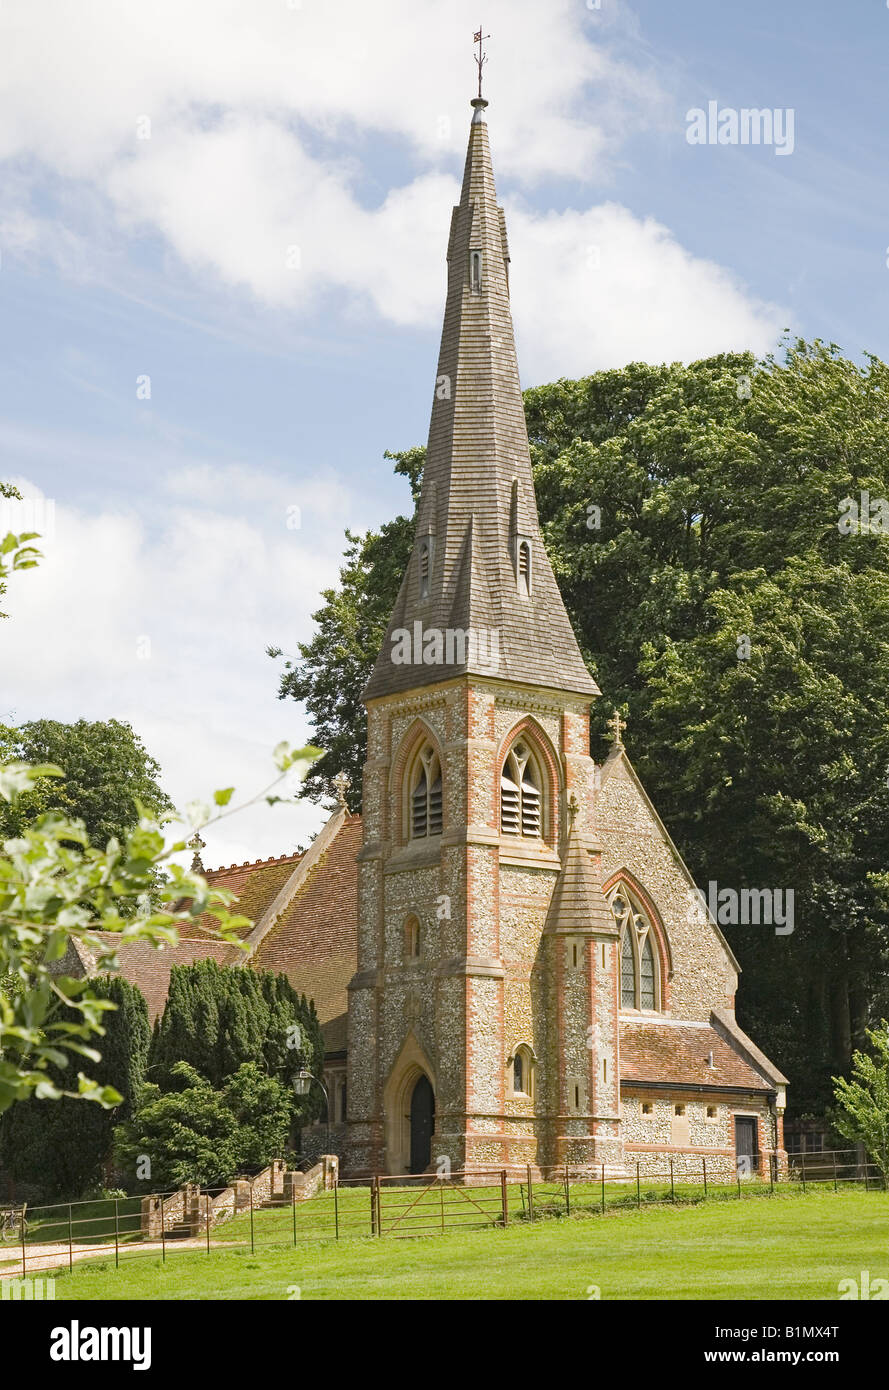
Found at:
<point>422,1124</point>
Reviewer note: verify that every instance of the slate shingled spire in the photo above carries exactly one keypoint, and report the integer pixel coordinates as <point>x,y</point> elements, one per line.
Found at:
<point>478,565</point>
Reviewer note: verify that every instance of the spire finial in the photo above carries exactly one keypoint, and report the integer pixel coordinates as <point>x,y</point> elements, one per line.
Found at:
<point>196,844</point>
<point>617,726</point>
<point>481,59</point>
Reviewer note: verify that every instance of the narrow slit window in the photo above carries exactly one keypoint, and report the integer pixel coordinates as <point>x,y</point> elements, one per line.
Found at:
<point>411,939</point>
<point>475,271</point>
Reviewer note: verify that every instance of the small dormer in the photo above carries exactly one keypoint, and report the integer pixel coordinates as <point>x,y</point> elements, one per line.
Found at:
<point>523,564</point>
<point>425,557</point>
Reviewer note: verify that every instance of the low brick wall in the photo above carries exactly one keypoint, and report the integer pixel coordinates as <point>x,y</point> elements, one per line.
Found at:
<point>276,1184</point>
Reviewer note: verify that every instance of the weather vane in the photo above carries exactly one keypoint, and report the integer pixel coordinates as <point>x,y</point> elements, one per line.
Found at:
<point>479,38</point>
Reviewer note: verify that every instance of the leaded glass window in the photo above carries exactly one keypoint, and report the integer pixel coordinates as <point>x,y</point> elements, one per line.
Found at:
<point>639,961</point>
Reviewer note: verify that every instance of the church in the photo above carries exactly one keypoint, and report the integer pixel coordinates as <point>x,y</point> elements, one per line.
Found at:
<point>506,950</point>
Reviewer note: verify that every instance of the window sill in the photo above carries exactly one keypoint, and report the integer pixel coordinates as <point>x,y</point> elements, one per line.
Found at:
<point>415,854</point>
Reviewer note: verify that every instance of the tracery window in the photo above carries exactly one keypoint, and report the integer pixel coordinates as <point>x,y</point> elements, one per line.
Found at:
<point>426,799</point>
<point>638,952</point>
<point>520,794</point>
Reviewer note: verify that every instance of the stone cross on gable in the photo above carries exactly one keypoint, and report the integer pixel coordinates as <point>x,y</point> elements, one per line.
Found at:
<point>617,726</point>
<point>196,844</point>
<point>342,782</point>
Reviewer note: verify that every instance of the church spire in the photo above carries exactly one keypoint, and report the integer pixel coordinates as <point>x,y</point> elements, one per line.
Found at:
<point>479,596</point>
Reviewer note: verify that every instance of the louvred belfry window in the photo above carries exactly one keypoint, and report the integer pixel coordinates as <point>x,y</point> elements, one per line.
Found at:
<point>638,948</point>
<point>426,796</point>
<point>520,799</point>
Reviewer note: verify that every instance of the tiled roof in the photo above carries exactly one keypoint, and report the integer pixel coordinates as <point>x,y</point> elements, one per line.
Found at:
<point>478,493</point>
<point>315,940</point>
<point>677,1053</point>
<point>149,966</point>
<point>578,903</point>
<point>255,884</point>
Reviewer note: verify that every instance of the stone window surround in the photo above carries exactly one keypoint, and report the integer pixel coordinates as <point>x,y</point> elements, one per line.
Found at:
<point>548,766</point>
<point>529,1059</point>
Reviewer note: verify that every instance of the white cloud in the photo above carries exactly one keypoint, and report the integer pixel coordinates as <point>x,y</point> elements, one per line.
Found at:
<point>266,123</point>
<point>168,629</point>
<point>600,288</point>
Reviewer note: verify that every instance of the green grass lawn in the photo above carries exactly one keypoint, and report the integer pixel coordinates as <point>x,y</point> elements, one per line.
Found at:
<point>787,1246</point>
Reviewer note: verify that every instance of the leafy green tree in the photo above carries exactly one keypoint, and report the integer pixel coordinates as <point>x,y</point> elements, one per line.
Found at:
<point>218,1018</point>
<point>62,1146</point>
<point>863,1101</point>
<point>195,1133</point>
<point>189,1134</point>
<point>263,1109</point>
<point>693,517</point>
<point>56,889</point>
<point>108,775</point>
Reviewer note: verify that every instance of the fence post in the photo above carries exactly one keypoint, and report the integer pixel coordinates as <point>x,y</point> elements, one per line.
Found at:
<point>773,1168</point>
<point>163,1232</point>
<point>603,1189</point>
<point>70,1238</point>
<point>672,1187</point>
<point>379,1205</point>
<point>207,1199</point>
<point>567,1191</point>
<point>116,1235</point>
<point>336,1204</point>
<point>530,1196</point>
<point>504,1197</point>
<point>441,1202</point>
<point>738,1175</point>
<point>24,1258</point>
<point>293,1209</point>
<point>835,1188</point>
<point>373,1207</point>
<point>803,1165</point>
<point>704,1161</point>
<point>252,1241</point>
<point>638,1188</point>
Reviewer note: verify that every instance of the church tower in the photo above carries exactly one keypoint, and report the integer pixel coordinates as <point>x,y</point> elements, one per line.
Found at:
<point>483,1015</point>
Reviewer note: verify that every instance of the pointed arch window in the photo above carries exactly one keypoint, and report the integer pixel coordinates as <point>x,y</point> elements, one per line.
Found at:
<point>425,795</point>
<point>639,958</point>
<point>520,1075</point>
<point>475,272</point>
<point>412,939</point>
<point>520,794</point>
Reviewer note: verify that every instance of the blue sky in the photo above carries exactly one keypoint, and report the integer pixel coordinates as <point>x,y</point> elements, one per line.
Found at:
<point>278,379</point>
